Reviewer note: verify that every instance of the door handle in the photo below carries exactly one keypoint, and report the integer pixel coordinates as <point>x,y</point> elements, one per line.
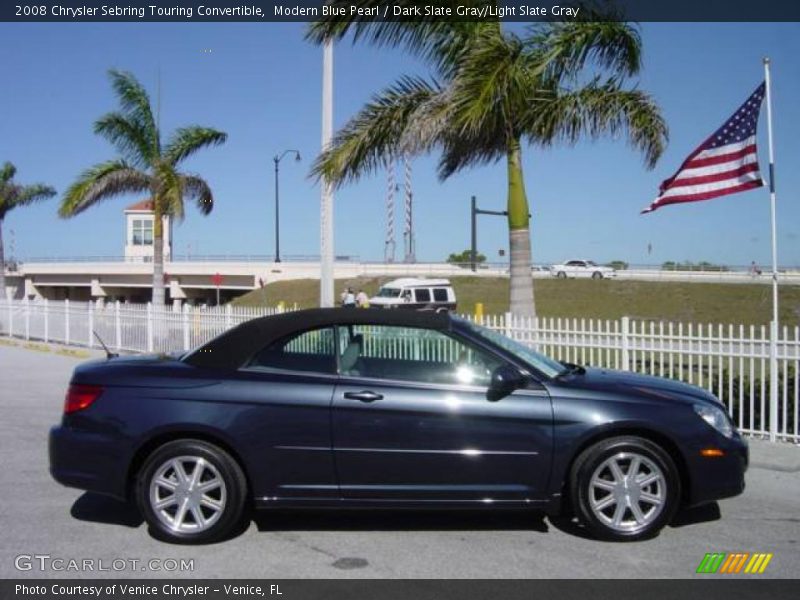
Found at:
<point>365,396</point>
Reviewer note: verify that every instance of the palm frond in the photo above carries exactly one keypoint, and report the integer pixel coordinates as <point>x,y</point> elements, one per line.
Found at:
<point>596,109</point>
<point>439,41</point>
<point>464,150</point>
<point>14,195</point>
<point>489,82</point>
<point>129,136</point>
<point>101,182</point>
<point>7,172</point>
<point>568,47</point>
<point>135,103</point>
<point>168,191</point>
<point>196,188</point>
<point>29,194</point>
<point>188,140</point>
<point>379,131</point>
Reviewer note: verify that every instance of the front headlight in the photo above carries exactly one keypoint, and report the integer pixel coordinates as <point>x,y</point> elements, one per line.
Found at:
<point>715,417</point>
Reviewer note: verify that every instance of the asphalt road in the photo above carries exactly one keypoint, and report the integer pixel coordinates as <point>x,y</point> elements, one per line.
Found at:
<point>39,517</point>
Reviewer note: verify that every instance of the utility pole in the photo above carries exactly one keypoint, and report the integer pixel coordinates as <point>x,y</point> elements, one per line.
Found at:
<point>326,212</point>
<point>475,211</point>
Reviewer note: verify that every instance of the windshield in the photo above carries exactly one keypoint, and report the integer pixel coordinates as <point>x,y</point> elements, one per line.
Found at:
<point>540,362</point>
<point>388,293</point>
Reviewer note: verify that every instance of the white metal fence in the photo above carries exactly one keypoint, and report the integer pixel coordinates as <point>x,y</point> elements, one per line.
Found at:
<point>731,361</point>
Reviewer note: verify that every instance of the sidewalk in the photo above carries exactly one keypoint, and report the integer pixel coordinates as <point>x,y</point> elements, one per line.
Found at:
<point>779,456</point>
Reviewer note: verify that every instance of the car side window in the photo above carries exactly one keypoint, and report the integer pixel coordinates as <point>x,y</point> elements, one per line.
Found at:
<point>440,294</point>
<point>412,354</point>
<point>422,295</point>
<point>310,351</point>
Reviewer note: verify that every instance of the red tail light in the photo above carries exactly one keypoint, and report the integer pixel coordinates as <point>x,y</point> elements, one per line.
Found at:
<point>80,397</point>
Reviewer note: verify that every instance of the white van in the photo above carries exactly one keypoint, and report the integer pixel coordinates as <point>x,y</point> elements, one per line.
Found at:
<point>416,294</point>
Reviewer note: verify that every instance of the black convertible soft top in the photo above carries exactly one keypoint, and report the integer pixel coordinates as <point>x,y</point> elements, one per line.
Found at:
<point>231,349</point>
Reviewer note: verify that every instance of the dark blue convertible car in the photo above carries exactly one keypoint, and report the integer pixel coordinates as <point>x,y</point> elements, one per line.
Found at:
<point>388,409</point>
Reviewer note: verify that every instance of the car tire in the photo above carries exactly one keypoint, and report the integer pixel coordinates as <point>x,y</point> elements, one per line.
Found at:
<point>561,275</point>
<point>597,275</point>
<point>615,504</point>
<point>184,505</point>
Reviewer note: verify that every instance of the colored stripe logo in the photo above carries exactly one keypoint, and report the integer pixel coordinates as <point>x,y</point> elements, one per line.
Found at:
<point>734,563</point>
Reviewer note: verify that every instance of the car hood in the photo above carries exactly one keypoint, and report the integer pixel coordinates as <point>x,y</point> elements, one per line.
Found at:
<point>634,384</point>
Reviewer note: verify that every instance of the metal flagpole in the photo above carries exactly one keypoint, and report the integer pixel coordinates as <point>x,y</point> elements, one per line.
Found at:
<point>326,208</point>
<point>773,341</point>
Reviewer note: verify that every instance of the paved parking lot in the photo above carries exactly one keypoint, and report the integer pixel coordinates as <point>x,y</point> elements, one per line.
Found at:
<point>39,517</point>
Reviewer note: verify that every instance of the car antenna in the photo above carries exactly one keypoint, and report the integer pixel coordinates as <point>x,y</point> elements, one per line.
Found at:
<point>109,354</point>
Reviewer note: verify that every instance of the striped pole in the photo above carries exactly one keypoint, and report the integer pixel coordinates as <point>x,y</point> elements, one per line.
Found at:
<point>409,217</point>
<point>773,338</point>
<point>390,189</point>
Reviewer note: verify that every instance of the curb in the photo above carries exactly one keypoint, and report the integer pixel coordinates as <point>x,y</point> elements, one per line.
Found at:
<point>45,348</point>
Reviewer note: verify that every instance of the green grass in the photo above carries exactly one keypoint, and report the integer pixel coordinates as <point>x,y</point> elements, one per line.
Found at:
<point>668,301</point>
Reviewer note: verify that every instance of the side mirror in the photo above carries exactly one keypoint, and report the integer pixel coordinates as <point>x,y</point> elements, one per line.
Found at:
<point>505,379</point>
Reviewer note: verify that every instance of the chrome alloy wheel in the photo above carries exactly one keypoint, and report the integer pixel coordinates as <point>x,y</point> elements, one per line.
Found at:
<point>187,494</point>
<point>627,492</point>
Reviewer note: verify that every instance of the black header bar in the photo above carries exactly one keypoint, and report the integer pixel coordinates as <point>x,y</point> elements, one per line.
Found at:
<point>473,10</point>
<point>741,588</point>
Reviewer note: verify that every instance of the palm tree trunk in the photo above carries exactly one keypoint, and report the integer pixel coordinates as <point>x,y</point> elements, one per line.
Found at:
<point>158,256</point>
<point>521,302</point>
<point>3,293</point>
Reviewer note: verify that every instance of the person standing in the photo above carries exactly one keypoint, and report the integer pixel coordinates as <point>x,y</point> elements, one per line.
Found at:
<point>349,299</point>
<point>362,300</point>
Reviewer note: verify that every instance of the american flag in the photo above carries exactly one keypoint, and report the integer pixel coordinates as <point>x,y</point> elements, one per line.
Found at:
<point>725,163</point>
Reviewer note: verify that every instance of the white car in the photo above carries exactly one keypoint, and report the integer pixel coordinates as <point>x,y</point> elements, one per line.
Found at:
<point>582,268</point>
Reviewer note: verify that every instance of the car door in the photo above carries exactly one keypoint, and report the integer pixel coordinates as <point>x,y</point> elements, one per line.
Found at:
<point>411,421</point>
<point>288,386</point>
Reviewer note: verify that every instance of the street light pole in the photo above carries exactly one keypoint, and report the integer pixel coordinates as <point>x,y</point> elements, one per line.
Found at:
<point>277,160</point>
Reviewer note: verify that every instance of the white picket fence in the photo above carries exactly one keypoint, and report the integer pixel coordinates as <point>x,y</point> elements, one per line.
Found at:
<point>731,361</point>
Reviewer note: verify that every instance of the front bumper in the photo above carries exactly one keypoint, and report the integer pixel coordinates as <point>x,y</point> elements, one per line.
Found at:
<point>715,478</point>
<point>87,461</point>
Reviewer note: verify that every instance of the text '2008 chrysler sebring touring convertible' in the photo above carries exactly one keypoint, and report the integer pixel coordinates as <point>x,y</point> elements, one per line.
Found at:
<point>336,408</point>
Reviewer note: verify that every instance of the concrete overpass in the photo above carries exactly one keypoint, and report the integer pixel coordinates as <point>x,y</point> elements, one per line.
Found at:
<point>107,279</point>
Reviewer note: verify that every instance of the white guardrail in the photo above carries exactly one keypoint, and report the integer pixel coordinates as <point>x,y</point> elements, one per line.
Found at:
<point>730,361</point>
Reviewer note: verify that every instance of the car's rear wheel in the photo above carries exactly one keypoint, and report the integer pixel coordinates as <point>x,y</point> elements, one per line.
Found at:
<point>190,491</point>
<point>597,275</point>
<point>625,488</point>
<point>561,275</point>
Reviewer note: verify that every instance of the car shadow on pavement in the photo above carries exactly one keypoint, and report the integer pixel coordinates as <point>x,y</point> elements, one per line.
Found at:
<point>398,520</point>
<point>97,508</point>
<point>704,513</point>
<point>685,516</point>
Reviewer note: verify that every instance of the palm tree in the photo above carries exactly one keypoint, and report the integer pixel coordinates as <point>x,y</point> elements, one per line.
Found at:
<point>146,166</point>
<point>14,195</point>
<point>491,92</point>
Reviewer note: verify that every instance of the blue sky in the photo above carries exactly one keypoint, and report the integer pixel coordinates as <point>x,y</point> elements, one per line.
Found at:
<point>261,84</point>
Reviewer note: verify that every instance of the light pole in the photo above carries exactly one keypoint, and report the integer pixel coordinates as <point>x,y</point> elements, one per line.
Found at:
<point>277,159</point>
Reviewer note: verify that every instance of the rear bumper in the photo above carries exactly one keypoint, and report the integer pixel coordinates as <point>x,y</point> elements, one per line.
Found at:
<point>719,477</point>
<point>87,461</point>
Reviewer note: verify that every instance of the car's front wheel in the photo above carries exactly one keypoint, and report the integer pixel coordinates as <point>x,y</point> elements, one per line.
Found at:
<point>190,491</point>
<point>624,488</point>
<point>597,275</point>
